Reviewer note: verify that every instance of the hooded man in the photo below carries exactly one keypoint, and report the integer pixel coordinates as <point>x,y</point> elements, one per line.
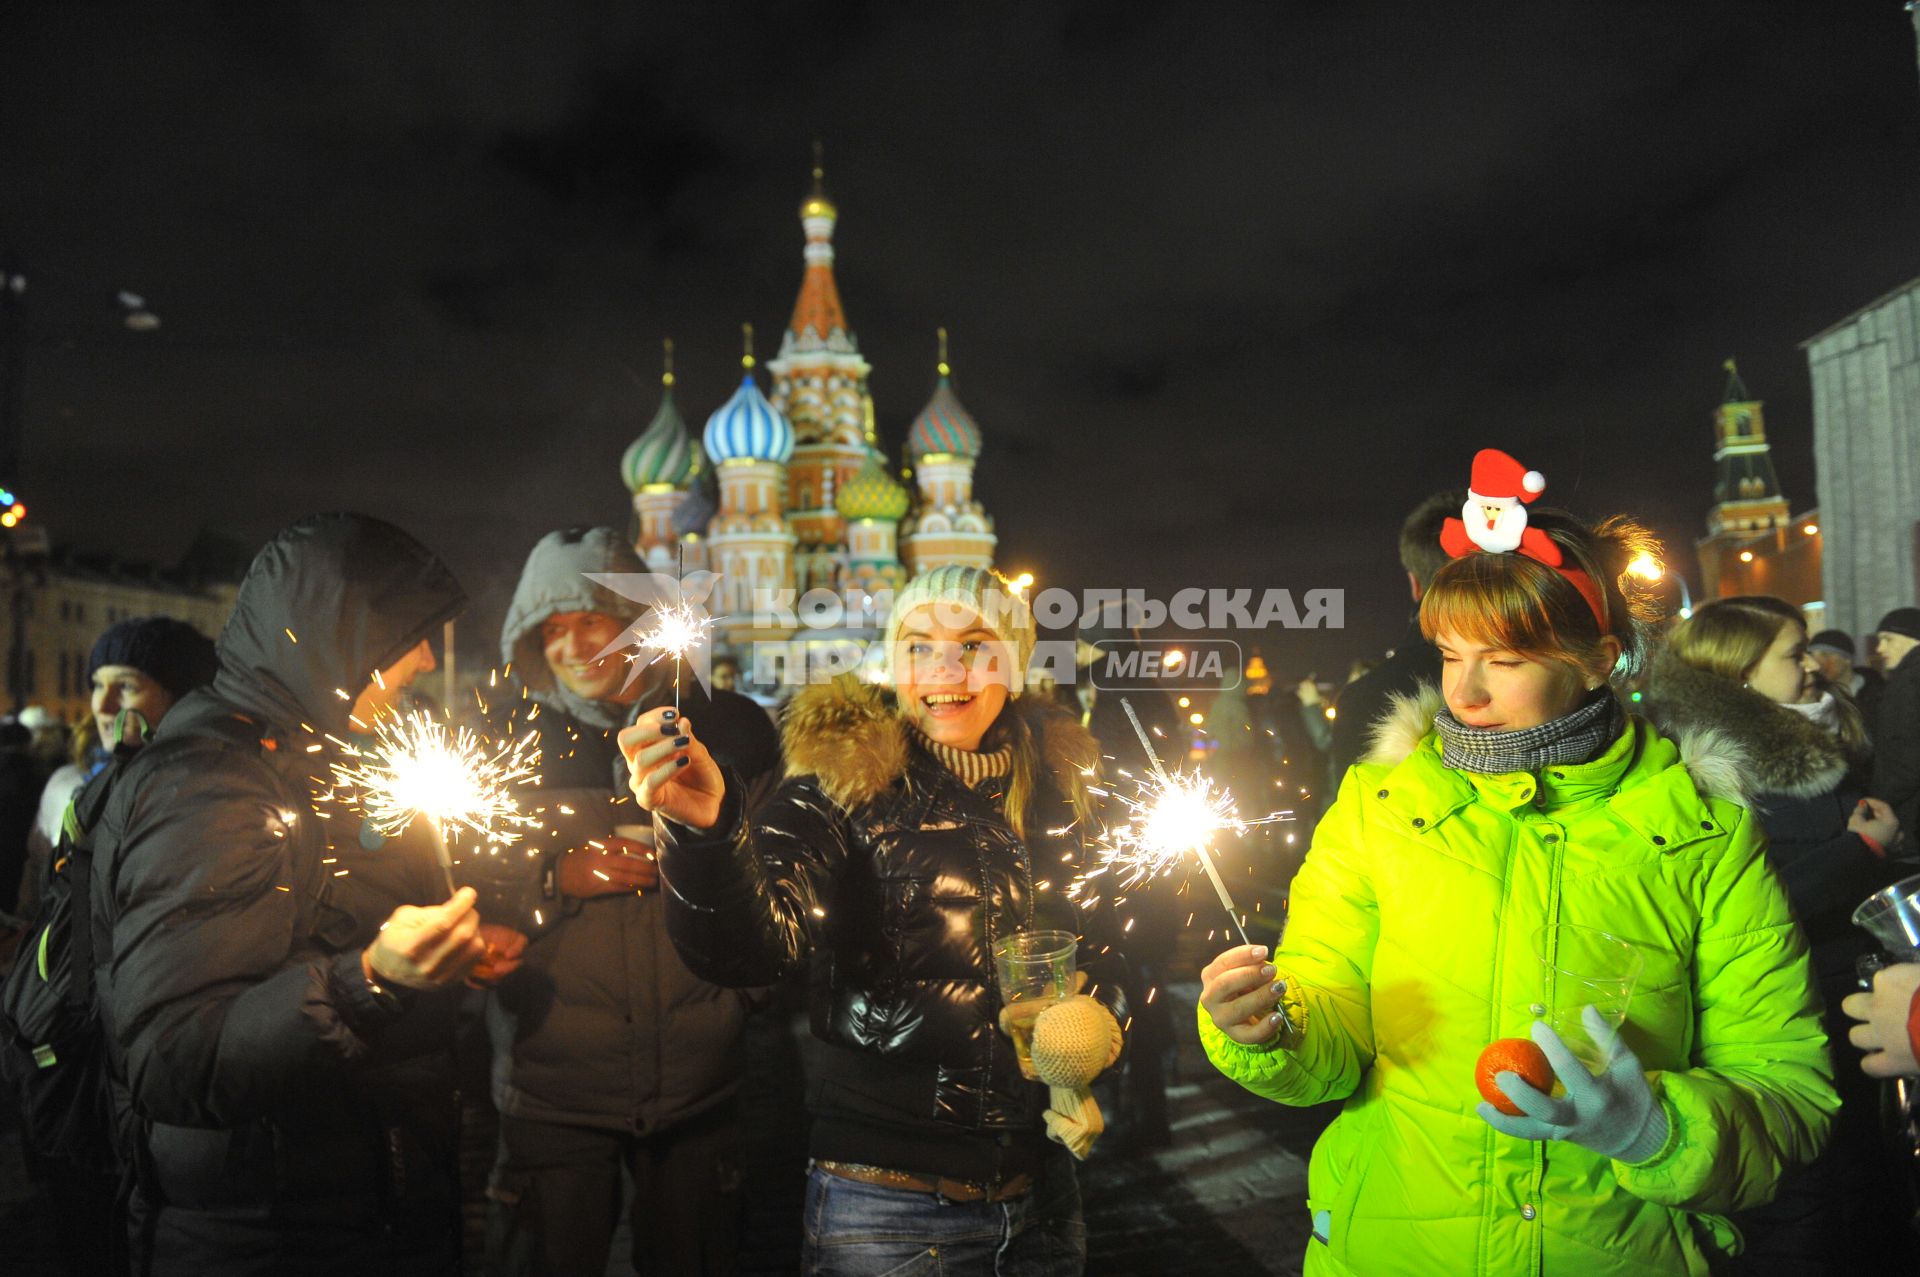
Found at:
<point>1896,726</point>
<point>608,1052</point>
<point>277,1007</point>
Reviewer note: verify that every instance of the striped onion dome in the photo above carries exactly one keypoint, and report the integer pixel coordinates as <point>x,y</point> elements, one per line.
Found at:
<point>872,493</point>
<point>664,452</point>
<point>747,427</point>
<point>943,426</point>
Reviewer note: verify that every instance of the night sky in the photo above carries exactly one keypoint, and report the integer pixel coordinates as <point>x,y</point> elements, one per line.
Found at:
<point>1230,287</point>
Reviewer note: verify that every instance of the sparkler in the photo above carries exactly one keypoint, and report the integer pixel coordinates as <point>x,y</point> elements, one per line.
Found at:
<point>1172,816</point>
<point>420,768</point>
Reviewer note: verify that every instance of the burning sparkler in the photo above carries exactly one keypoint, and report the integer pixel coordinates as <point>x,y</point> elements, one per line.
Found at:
<point>419,767</point>
<point>678,624</point>
<point>1170,817</point>
<point>676,631</point>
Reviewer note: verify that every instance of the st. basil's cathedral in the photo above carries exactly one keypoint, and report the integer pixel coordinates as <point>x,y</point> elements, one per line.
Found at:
<point>793,492</point>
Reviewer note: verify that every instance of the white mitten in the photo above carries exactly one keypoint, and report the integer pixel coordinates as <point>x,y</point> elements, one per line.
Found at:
<point>1074,1041</point>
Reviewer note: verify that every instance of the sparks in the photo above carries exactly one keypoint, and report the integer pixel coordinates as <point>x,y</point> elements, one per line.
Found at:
<point>1169,817</point>
<point>418,766</point>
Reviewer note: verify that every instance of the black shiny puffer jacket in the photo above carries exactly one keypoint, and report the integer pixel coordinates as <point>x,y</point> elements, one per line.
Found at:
<point>892,880</point>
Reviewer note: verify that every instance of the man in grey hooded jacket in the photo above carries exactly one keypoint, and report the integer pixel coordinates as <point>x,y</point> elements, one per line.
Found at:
<point>608,1053</point>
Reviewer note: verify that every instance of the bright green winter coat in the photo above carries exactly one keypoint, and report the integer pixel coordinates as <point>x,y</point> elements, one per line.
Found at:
<point>1411,936</point>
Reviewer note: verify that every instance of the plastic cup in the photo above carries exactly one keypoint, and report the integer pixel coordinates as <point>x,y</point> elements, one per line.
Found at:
<point>1034,967</point>
<point>1891,915</point>
<point>1583,967</point>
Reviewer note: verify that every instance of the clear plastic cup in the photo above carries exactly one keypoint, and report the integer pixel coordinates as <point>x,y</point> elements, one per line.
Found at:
<point>1035,967</point>
<point>1891,915</point>
<point>1583,967</point>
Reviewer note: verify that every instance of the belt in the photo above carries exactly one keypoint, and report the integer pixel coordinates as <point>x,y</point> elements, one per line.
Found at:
<point>954,1190</point>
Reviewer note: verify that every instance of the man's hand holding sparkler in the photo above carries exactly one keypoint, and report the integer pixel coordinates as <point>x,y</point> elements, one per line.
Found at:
<point>426,947</point>
<point>670,771</point>
<point>608,866</point>
<point>1249,1001</point>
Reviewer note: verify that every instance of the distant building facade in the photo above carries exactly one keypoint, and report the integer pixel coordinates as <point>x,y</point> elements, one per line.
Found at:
<point>58,602</point>
<point>1866,448</point>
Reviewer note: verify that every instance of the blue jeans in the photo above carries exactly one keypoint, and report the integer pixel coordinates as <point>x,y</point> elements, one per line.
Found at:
<point>864,1230</point>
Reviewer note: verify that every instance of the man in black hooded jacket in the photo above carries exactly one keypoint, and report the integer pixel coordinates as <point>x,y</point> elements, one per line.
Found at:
<point>279,1011</point>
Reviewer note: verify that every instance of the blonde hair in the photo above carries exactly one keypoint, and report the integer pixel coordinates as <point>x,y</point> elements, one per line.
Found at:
<point>1029,767</point>
<point>1727,638</point>
<point>1515,602</point>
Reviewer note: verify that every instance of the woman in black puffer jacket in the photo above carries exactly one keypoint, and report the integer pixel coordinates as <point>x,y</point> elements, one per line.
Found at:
<point>1739,666</point>
<point>915,831</point>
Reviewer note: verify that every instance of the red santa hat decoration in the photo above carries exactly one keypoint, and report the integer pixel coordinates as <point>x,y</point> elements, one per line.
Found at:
<point>1493,520</point>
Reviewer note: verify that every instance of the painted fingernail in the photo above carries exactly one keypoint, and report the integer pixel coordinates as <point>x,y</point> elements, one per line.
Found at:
<point>670,715</point>
<point>682,740</point>
<point>1275,1019</point>
<point>1267,972</point>
<point>1279,987</point>
<point>668,729</point>
<point>1259,951</point>
<point>682,761</point>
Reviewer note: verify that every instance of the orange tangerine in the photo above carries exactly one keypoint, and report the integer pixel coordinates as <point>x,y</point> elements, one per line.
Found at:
<point>1512,1055</point>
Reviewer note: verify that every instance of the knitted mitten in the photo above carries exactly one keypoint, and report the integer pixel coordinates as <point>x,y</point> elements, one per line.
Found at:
<point>1074,1040</point>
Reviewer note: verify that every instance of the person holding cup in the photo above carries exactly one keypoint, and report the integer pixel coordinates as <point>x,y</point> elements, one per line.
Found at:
<point>1742,667</point>
<point>920,830</point>
<point>1430,920</point>
<point>610,1056</point>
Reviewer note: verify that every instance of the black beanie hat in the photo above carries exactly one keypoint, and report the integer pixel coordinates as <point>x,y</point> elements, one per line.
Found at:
<point>171,653</point>
<point>1833,640</point>
<point>1902,620</point>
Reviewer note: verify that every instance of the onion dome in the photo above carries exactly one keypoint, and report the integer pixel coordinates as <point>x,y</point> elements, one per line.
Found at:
<point>665,452</point>
<point>872,493</point>
<point>747,427</point>
<point>943,426</point>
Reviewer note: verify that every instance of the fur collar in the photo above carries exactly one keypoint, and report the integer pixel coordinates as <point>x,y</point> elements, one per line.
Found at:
<point>1719,766</point>
<point>1787,753</point>
<point>851,738</point>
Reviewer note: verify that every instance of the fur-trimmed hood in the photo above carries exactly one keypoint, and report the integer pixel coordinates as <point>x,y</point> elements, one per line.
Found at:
<point>1787,753</point>
<point>853,740</point>
<point>1719,766</point>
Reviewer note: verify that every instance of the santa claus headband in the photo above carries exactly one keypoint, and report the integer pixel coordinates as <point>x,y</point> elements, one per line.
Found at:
<point>1494,521</point>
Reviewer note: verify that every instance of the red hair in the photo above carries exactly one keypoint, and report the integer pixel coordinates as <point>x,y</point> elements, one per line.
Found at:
<point>1512,602</point>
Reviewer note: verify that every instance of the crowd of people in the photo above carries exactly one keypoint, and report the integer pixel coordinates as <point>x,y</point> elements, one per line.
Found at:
<point>239,1007</point>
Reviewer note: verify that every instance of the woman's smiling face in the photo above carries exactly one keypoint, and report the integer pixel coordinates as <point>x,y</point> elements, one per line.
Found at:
<point>951,674</point>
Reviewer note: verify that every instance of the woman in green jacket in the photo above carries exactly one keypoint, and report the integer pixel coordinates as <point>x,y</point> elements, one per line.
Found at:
<point>1422,927</point>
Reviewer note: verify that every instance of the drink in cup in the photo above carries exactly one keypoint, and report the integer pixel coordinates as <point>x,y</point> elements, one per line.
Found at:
<point>1034,967</point>
<point>1891,916</point>
<point>1582,967</point>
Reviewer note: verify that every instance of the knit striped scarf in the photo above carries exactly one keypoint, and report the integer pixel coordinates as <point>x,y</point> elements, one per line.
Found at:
<point>971,765</point>
<point>1571,738</point>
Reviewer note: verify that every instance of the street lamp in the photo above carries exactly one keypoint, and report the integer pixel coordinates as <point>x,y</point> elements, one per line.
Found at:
<point>1650,569</point>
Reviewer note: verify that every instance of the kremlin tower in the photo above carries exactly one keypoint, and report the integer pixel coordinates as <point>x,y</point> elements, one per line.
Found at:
<point>806,501</point>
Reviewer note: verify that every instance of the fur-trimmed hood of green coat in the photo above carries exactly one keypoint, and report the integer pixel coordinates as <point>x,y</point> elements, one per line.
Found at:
<point>1414,938</point>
